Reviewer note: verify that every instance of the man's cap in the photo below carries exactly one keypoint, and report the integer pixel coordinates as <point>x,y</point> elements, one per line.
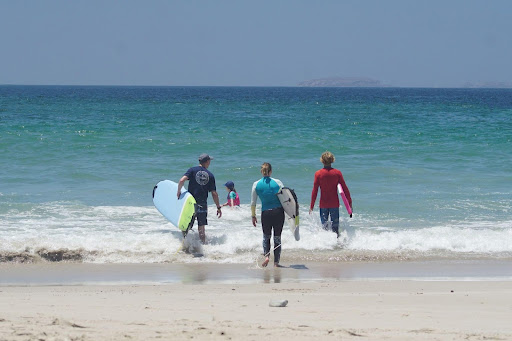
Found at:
<point>204,157</point>
<point>230,184</point>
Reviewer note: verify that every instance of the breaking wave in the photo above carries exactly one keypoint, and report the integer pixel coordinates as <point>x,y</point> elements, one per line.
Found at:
<point>72,232</point>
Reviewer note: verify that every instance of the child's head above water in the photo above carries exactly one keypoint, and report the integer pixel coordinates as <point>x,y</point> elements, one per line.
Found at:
<point>230,185</point>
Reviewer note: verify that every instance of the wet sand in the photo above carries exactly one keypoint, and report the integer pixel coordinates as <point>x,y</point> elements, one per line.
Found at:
<point>206,273</point>
<point>373,301</point>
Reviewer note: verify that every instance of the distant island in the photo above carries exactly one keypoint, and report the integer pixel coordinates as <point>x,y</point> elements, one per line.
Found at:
<point>488,85</point>
<point>347,82</point>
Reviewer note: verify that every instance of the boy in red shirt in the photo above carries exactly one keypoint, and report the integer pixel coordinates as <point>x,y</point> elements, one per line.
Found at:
<point>328,179</point>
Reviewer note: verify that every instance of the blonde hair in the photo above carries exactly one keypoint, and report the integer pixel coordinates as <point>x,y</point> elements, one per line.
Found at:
<point>327,158</point>
<point>266,169</point>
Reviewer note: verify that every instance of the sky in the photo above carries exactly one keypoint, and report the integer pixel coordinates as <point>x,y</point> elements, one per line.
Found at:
<point>409,43</point>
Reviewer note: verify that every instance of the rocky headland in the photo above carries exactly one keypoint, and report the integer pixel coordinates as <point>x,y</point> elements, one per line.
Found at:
<point>348,82</point>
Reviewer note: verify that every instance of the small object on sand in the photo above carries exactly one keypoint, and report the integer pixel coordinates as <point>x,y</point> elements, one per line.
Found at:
<point>278,303</point>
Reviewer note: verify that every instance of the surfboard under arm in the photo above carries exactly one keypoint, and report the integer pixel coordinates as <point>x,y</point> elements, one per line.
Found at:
<point>345,200</point>
<point>180,212</point>
<point>290,204</point>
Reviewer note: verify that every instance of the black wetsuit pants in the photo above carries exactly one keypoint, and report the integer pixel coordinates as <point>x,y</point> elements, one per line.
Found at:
<point>272,219</point>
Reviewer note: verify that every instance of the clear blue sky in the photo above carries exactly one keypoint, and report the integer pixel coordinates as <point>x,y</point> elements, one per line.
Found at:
<point>277,42</point>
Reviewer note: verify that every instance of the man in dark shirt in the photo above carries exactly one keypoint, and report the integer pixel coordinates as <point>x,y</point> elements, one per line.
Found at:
<point>201,181</point>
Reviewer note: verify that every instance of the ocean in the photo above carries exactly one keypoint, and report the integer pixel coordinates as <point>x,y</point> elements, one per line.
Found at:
<point>429,170</point>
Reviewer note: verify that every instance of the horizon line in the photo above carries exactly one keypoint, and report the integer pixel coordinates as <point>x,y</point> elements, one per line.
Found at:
<point>257,86</point>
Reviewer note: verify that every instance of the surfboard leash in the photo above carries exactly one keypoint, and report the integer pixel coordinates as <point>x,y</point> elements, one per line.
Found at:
<point>268,253</point>
<point>181,247</point>
<point>265,256</point>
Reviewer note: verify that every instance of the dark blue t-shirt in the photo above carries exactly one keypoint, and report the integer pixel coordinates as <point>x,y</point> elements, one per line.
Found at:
<point>201,181</point>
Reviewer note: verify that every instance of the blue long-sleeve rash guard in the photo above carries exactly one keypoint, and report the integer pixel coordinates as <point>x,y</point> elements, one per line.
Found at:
<point>266,188</point>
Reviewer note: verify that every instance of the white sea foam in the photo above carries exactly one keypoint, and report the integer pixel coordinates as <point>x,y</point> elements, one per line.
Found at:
<point>129,234</point>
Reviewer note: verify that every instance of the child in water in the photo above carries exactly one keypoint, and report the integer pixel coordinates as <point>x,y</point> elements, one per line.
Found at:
<point>233,199</point>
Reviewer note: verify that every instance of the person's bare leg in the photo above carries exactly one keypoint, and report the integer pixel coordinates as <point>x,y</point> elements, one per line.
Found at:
<point>202,234</point>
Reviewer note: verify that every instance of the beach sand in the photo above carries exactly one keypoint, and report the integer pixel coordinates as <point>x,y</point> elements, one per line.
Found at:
<point>321,308</point>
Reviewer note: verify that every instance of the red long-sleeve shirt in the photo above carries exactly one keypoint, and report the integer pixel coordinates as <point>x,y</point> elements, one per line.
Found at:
<point>328,179</point>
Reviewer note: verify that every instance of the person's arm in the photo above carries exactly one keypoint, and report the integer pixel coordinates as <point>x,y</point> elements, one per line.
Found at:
<point>180,184</point>
<point>254,198</point>
<point>314,193</point>
<point>226,204</point>
<point>215,197</point>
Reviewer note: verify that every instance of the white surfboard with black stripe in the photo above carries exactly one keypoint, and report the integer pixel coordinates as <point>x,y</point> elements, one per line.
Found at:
<point>290,204</point>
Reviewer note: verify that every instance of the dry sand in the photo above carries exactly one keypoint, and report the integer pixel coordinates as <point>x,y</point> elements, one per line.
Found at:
<point>328,309</point>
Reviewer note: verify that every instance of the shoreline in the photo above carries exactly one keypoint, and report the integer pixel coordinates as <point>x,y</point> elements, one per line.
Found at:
<point>48,274</point>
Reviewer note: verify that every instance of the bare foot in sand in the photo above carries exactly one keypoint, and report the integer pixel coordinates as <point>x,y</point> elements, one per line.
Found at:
<point>265,262</point>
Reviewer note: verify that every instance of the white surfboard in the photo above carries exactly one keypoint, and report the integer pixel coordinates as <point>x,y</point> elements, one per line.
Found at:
<point>290,204</point>
<point>180,212</point>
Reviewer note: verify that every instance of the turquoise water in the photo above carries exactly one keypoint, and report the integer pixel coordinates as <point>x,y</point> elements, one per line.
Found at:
<point>428,169</point>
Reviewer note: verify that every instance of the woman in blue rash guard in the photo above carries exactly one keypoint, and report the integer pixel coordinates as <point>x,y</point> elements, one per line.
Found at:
<point>272,213</point>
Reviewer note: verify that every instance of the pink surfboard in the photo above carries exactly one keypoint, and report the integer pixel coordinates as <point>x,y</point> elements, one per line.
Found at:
<point>345,200</point>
